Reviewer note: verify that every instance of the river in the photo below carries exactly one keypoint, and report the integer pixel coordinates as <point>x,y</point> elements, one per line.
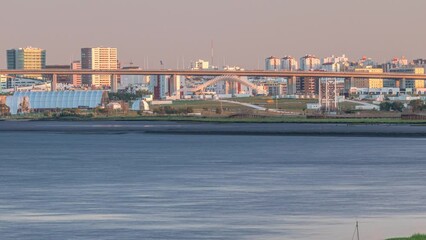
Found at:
<point>138,185</point>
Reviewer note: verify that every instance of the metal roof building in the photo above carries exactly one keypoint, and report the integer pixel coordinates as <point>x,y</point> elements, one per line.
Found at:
<point>59,100</point>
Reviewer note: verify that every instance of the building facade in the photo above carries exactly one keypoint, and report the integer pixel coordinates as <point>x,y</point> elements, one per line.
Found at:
<point>307,85</point>
<point>272,63</point>
<point>64,79</point>
<point>127,81</point>
<point>166,86</point>
<point>76,79</point>
<point>366,62</point>
<point>100,58</point>
<point>28,58</point>
<point>200,65</point>
<point>335,59</point>
<point>289,63</point>
<point>331,67</point>
<point>368,82</point>
<point>309,63</point>
<point>414,84</point>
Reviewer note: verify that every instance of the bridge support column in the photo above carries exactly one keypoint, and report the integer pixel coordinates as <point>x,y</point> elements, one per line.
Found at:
<point>232,88</point>
<point>114,83</point>
<point>54,83</point>
<point>291,85</point>
<point>175,88</point>
<point>403,84</point>
<point>349,82</point>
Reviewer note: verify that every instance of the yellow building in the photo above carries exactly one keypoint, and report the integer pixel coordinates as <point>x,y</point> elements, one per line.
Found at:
<point>3,81</point>
<point>368,82</point>
<point>416,83</point>
<point>100,58</point>
<point>28,58</point>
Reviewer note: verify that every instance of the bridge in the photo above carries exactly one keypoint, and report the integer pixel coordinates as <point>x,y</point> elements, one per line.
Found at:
<point>226,78</point>
<point>291,75</point>
<point>248,73</point>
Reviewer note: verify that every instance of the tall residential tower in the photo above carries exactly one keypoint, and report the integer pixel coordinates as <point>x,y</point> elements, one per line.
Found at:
<point>28,58</point>
<point>100,58</point>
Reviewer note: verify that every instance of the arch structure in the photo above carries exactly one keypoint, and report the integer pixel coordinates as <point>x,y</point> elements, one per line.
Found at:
<point>223,78</point>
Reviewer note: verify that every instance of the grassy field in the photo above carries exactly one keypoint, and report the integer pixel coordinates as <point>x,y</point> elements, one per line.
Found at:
<point>414,237</point>
<point>296,105</point>
<point>293,105</point>
<point>206,105</point>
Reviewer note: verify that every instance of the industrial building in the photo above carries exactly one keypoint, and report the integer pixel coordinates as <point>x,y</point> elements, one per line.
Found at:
<point>38,101</point>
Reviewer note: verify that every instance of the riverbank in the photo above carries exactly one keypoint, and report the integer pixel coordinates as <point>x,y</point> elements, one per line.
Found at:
<point>242,118</point>
<point>220,128</point>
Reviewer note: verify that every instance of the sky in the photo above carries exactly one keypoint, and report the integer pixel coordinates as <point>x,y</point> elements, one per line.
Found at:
<point>243,32</point>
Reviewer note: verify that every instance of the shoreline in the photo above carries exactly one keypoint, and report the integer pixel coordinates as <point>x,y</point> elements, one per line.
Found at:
<point>209,119</point>
<point>217,128</point>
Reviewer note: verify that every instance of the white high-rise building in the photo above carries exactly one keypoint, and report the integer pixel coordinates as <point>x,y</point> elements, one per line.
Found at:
<point>366,62</point>
<point>289,63</point>
<point>335,63</point>
<point>331,67</point>
<point>309,63</point>
<point>132,80</point>
<point>335,59</point>
<point>100,58</point>
<point>200,65</point>
<point>272,63</point>
<point>165,86</point>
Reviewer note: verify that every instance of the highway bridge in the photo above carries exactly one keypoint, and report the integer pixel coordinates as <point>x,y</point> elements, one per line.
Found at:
<point>232,75</point>
<point>249,73</point>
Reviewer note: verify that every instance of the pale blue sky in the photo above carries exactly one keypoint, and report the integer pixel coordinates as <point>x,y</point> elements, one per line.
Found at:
<point>244,32</point>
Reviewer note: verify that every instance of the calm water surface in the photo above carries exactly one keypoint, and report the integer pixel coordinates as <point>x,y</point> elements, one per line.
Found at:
<point>149,186</point>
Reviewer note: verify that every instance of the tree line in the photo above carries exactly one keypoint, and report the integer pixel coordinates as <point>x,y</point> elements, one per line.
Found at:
<point>415,105</point>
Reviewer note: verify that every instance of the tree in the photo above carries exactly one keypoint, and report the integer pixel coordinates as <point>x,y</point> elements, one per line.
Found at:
<point>218,110</point>
<point>4,110</point>
<point>126,96</point>
<point>416,105</point>
<point>189,110</point>
<point>397,106</point>
<point>142,93</point>
<point>385,106</point>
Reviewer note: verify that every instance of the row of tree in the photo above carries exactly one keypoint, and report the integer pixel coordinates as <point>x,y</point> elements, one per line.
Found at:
<point>172,110</point>
<point>415,105</point>
<point>388,106</point>
<point>126,96</point>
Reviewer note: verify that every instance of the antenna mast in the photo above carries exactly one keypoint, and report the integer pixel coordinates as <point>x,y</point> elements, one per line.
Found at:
<point>356,231</point>
<point>212,53</point>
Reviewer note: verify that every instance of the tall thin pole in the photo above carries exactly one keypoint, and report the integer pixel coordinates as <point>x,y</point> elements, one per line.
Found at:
<point>212,53</point>
<point>357,230</point>
<point>183,62</point>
